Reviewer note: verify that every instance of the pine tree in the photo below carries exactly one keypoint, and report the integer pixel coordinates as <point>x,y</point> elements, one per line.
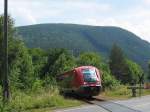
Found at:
<point>117,62</point>
<point>122,68</point>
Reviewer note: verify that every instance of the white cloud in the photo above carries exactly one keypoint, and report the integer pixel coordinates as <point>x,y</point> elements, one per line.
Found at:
<point>141,30</point>
<point>92,12</point>
<point>137,20</point>
<point>34,10</point>
<point>146,2</point>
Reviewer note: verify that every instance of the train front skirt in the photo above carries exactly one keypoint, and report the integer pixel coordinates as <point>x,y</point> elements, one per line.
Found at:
<point>89,90</point>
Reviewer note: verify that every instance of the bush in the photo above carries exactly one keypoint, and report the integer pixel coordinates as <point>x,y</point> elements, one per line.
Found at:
<point>37,85</point>
<point>48,97</point>
<point>119,92</point>
<point>40,98</point>
<point>3,106</point>
<point>108,81</point>
<point>49,81</point>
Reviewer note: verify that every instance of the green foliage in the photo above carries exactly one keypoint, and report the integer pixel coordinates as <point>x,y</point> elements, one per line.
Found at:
<point>36,99</point>
<point>3,106</point>
<point>11,31</point>
<point>50,82</point>
<point>32,72</point>
<point>149,70</point>
<point>134,71</point>
<point>20,65</point>
<point>37,85</point>
<point>39,59</point>
<point>59,61</point>
<point>22,101</point>
<point>89,58</point>
<point>117,63</point>
<point>108,80</point>
<point>86,38</point>
<point>94,59</point>
<point>118,92</point>
<point>124,69</point>
<point>63,64</point>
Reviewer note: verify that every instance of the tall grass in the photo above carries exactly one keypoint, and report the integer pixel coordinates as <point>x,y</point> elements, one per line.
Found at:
<point>121,92</point>
<point>41,98</point>
<point>118,92</point>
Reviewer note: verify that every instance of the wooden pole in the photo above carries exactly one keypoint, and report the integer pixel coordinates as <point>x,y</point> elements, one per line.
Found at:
<point>5,63</point>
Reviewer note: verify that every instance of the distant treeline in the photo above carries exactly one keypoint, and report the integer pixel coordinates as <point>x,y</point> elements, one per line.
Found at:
<point>79,38</point>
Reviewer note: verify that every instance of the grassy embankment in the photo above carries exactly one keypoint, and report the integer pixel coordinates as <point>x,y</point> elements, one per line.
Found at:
<point>121,92</point>
<point>46,100</point>
<point>39,101</point>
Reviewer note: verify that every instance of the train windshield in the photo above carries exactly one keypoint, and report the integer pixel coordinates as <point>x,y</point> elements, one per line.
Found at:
<point>89,75</point>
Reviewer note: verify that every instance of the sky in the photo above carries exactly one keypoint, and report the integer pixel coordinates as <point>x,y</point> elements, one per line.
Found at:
<point>133,15</point>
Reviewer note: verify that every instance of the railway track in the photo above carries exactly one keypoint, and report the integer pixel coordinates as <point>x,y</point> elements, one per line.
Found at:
<point>109,105</point>
<point>98,105</point>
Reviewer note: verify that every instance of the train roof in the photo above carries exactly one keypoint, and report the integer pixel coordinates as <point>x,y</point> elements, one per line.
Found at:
<point>82,67</point>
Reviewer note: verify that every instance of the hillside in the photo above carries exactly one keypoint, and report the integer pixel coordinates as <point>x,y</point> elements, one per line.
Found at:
<point>86,38</point>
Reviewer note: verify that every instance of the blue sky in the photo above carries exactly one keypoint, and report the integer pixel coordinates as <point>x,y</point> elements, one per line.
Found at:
<point>133,15</point>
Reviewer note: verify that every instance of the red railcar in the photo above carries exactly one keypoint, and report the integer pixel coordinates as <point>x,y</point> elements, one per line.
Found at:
<point>84,80</point>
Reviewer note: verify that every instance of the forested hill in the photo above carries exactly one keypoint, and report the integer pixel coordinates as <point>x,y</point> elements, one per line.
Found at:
<point>85,38</point>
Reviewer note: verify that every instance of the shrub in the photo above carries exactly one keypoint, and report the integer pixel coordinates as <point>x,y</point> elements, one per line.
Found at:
<point>37,85</point>
<point>48,97</point>
<point>108,81</point>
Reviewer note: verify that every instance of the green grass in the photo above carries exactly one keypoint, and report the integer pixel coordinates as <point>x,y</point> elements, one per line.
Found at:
<point>40,110</point>
<point>39,101</point>
<point>121,92</point>
<point>48,99</point>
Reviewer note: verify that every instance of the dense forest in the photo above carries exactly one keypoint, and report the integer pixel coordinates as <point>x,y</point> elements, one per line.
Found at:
<point>32,71</point>
<point>82,38</point>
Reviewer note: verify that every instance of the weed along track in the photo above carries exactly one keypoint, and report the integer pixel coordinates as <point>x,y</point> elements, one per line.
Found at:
<point>109,105</point>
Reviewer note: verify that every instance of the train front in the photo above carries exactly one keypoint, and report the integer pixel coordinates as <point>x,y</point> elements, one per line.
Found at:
<point>91,81</point>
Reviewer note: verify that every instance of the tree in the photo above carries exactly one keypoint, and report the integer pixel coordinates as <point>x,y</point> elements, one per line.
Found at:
<point>149,70</point>
<point>94,59</point>
<point>19,61</point>
<point>39,59</point>
<point>89,58</point>
<point>108,80</point>
<point>20,65</point>
<point>11,31</point>
<point>133,72</point>
<point>7,24</point>
<point>63,64</point>
<point>59,61</point>
<point>117,62</point>
<point>122,68</point>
